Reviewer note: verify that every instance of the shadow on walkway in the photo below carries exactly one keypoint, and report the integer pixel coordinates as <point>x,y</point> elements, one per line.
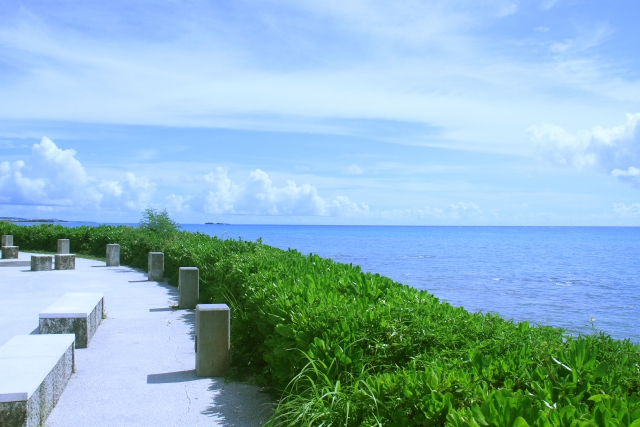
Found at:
<point>238,404</point>
<point>173,377</point>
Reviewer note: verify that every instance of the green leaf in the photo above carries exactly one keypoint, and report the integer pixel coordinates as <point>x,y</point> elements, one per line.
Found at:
<point>274,320</point>
<point>285,331</point>
<point>602,370</point>
<point>478,415</point>
<point>477,361</point>
<point>599,397</point>
<point>520,422</point>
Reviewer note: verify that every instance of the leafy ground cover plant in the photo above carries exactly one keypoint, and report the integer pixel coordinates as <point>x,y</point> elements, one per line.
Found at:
<point>339,346</point>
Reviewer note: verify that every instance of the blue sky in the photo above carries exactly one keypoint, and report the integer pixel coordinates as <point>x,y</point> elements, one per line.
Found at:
<point>483,112</point>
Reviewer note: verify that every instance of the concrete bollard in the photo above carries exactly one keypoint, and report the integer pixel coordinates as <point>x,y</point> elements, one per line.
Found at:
<point>188,287</point>
<point>156,266</point>
<point>213,340</point>
<point>63,246</point>
<point>7,240</point>
<point>113,255</point>
<point>10,252</point>
<point>65,261</point>
<point>41,262</point>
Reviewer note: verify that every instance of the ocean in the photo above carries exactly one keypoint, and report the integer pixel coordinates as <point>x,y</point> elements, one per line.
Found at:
<point>581,279</point>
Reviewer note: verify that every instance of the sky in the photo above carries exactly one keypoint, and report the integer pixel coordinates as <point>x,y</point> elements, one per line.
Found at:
<point>457,112</point>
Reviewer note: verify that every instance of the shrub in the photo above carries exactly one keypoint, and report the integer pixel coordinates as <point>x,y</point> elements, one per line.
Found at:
<point>158,222</point>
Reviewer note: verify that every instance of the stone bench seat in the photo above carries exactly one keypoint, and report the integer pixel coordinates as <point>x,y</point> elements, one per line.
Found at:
<point>10,252</point>
<point>34,370</point>
<point>65,261</point>
<point>74,313</point>
<point>41,262</point>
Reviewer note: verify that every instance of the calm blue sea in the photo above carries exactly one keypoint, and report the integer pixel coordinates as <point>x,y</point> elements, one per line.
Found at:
<point>559,276</point>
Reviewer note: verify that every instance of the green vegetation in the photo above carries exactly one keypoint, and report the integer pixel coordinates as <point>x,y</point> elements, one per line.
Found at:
<point>158,222</point>
<point>342,347</point>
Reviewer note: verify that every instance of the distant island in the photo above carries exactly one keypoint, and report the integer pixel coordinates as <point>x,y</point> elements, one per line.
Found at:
<point>12,219</point>
<point>215,223</point>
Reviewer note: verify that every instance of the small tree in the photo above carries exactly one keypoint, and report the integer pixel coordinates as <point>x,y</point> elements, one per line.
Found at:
<point>158,222</point>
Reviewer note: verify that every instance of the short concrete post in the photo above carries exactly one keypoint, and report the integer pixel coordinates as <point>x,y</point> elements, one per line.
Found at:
<point>213,340</point>
<point>7,240</point>
<point>113,255</point>
<point>65,261</point>
<point>156,266</point>
<point>64,246</point>
<point>188,287</point>
<point>41,262</point>
<point>10,252</point>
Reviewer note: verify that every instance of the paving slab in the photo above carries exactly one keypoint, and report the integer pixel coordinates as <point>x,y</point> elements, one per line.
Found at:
<point>140,367</point>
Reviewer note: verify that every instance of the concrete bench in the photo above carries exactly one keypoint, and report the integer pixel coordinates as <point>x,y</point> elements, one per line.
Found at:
<point>10,252</point>
<point>65,261</point>
<point>34,370</point>
<point>74,313</point>
<point>41,262</point>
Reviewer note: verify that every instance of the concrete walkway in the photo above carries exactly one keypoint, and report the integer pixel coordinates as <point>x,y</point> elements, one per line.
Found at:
<point>139,369</point>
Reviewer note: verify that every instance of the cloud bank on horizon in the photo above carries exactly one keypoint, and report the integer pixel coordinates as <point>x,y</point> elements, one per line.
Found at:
<point>258,196</point>
<point>504,112</point>
<point>53,177</point>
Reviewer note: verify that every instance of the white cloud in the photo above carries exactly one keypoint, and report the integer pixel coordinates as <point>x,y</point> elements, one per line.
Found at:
<point>10,144</point>
<point>51,177</point>
<point>623,211</point>
<point>586,38</point>
<point>54,177</point>
<point>177,203</point>
<point>631,172</point>
<point>222,192</point>
<point>548,4</point>
<point>506,8</point>
<point>454,212</point>
<point>342,206</point>
<point>615,151</point>
<point>463,210</point>
<point>354,169</point>
<point>259,196</point>
<point>410,21</point>
<point>131,191</point>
